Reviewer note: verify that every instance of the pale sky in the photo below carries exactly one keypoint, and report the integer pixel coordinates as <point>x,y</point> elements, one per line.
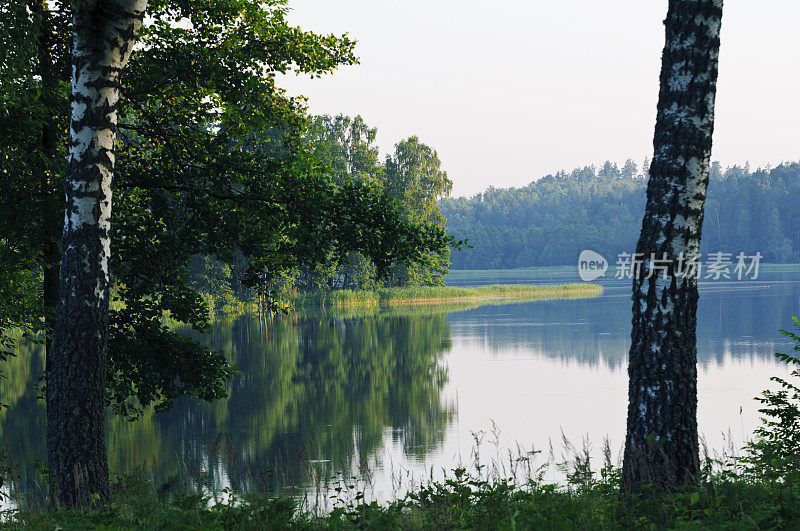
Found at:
<point>510,90</point>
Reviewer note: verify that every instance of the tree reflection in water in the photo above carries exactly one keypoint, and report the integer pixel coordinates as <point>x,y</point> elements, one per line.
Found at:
<point>317,396</point>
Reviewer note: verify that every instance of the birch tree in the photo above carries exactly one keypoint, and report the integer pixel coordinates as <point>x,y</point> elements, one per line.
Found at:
<point>661,442</point>
<point>104,35</point>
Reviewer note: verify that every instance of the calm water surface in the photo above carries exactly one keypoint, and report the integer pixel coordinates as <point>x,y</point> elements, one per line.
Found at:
<point>390,396</point>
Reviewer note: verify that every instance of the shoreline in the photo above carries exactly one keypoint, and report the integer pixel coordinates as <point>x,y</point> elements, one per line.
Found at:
<point>431,295</point>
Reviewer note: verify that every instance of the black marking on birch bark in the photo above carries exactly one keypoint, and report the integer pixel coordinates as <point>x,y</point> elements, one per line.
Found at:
<point>661,442</point>
<point>104,32</point>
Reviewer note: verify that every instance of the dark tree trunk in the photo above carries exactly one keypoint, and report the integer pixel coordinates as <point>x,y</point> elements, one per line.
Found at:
<point>52,263</point>
<point>104,33</point>
<point>51,253</point>
<point>661,445</point>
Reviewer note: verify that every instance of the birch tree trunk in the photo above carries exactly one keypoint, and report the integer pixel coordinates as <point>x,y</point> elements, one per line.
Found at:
<point>104,33</point>
<point>661,445</point>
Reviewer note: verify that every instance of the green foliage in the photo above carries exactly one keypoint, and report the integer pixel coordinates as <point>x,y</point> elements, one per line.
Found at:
<point>550,221</point>
<point>210,161</point>
<point>415,178</point>
<point>346,146</point>
<point>775,452</point>
<point>212,277</point>
<point>462,500</point>
<point>412,177</point>
<point>20,285</point>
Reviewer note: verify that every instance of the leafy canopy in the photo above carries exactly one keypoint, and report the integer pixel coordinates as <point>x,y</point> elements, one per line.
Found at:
<point>209,161</point>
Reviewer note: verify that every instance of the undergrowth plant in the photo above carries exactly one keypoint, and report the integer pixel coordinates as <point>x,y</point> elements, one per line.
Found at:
<point>775,452</point>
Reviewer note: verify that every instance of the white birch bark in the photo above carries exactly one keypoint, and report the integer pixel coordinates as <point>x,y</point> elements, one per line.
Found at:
<point>104,34</point>
<point>661,443</point>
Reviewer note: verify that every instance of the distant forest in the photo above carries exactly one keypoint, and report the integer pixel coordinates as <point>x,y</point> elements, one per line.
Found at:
<point>550,221</point>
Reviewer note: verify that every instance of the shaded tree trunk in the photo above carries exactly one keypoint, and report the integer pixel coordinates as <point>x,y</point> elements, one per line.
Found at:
<point>51,264</point>
<point>104,33</point>
<point>51,253</point>
<point>661,445</point>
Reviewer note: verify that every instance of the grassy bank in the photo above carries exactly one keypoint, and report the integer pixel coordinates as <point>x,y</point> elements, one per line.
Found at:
<point>409,296</point>
<point>756,489</point>
<point>560,274</point>
<point>462,501</point>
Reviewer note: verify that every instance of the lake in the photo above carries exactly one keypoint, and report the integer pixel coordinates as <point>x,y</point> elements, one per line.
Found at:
<point>389,398</point>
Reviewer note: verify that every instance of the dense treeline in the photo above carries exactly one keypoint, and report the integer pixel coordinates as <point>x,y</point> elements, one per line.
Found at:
<point>552,219</point>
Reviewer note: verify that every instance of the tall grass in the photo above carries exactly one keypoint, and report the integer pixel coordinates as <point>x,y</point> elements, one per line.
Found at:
<point>505,489</point>
<point>407,296</point>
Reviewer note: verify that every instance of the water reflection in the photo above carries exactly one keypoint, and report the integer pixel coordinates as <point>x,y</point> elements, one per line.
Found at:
<point>328,390</point>
<point>339,394</point>
<point>734,319</point>
<point>325,389</point>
